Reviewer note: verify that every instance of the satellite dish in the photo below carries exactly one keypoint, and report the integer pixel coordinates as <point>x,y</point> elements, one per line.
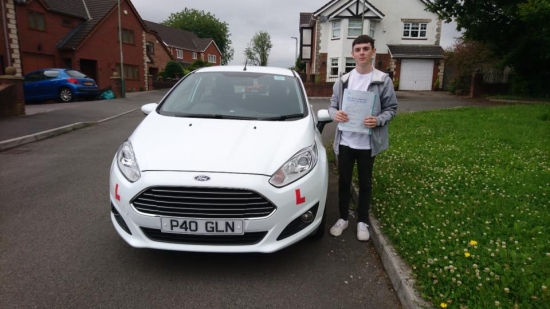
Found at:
<point>323,18</point>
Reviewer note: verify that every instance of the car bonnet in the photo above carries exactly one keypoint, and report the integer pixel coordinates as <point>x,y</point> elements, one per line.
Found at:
<point>164,143</point>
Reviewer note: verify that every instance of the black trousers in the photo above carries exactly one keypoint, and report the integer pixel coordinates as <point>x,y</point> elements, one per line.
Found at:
<point>346,160</point>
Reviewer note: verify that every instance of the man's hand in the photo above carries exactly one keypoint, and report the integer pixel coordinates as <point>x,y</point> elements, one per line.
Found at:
<point>341,116</point>
<point>369,122</point>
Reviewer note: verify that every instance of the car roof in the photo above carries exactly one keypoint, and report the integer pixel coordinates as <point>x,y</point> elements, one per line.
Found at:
<point>249,68</point>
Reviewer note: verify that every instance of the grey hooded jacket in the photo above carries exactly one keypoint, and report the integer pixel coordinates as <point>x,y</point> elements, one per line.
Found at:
<point>385,108</point>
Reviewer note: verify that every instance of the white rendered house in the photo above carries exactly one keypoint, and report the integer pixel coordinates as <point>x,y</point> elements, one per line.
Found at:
<point>406,40</point>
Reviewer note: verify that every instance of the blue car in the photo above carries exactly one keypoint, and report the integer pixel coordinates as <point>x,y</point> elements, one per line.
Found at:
<point>59,84</point>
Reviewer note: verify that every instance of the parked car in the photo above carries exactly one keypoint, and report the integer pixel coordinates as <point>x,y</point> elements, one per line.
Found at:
<point>65,85</point>
<point>214,168</point>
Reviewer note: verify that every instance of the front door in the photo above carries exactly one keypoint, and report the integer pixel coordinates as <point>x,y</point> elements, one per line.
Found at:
<point>89,67</point>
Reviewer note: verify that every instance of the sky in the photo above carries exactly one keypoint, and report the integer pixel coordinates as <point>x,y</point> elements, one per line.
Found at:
<point>279,18</point>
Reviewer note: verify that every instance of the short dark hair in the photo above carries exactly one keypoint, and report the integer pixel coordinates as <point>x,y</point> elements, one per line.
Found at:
<point>363,39</point>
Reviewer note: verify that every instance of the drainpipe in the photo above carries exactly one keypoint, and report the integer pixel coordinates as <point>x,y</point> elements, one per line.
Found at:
<point>5,26</point>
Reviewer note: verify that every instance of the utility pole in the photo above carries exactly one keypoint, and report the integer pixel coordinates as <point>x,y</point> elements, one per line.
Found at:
<point>296,49</point>
<point>122,82</point>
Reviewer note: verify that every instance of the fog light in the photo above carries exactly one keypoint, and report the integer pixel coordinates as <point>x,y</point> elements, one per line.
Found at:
<point>307,217</point>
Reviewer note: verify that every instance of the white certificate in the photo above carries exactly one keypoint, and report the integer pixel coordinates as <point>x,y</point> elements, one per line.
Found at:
<point>357,105</point>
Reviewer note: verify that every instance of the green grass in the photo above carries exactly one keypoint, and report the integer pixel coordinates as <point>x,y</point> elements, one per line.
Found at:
<point>464,196</point>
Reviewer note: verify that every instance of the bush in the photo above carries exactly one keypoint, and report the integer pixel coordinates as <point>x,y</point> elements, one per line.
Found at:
<point>172,69</point>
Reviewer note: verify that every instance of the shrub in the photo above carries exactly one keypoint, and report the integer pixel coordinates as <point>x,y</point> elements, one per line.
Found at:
<point>172,69</point>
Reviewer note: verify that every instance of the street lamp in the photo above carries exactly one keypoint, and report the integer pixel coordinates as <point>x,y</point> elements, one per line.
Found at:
<point>296,53</point>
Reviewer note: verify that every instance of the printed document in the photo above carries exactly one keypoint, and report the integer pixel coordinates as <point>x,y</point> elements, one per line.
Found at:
<point>357,105</point>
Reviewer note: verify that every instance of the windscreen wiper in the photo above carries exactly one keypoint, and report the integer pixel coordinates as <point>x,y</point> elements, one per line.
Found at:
<point>284,117</point>
<point>216,116</point>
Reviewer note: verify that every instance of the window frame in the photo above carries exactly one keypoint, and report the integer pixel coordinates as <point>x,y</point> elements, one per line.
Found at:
<point>360,28</point>
<point>334,61</point>
<point>194,55</point>
<point>372,28</point>
<point>150,47</point>
<point>349,66</point>
<point>179,54</point>
<point>334,22</point>
<point>212,58</point>
<point>32,20</point>
<point>127,34</point>
<point>419,28</point>
<point>129,68</point>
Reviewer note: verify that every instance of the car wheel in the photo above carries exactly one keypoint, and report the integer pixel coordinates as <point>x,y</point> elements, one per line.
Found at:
<point>66,95</point>
<point>320,232</point>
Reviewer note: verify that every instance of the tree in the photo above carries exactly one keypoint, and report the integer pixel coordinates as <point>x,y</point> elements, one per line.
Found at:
<point>258,49</point>
<point>516,31</point>
<point>172,69</point>
<point>204,25</point>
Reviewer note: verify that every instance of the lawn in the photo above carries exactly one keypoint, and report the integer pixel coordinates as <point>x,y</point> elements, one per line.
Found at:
<point>463,194</point>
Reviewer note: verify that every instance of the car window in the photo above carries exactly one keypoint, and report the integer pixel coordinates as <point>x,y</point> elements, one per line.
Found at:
<point>34,77</point>
<point>74,73</point>
<point>236,94</point>
<point>50,74</point>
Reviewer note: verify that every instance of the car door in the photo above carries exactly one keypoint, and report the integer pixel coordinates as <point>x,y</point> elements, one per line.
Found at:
<point>32,85</point>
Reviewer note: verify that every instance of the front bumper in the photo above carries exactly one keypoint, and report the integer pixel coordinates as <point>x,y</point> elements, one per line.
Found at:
<point>261,234</point>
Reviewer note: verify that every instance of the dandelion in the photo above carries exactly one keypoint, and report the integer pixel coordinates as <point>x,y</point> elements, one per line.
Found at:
<point>497,303</point>
<point>443,305</point>
<point>473,243</point>
<point>467,254</point>
<point>544,288</point>
<point>506,290</point>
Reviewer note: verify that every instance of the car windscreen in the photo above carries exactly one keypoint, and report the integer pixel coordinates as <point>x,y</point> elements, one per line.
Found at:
<point>75,74</point>
<point>236,95</point>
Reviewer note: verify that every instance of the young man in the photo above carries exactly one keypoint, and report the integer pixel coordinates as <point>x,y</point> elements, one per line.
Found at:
<point>361,147</point>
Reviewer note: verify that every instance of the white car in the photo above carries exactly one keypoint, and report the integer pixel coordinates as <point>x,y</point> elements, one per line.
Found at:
<point>230,160</point>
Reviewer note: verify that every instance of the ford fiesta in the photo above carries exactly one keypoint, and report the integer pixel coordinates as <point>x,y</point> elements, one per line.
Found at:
<point>230,160</point>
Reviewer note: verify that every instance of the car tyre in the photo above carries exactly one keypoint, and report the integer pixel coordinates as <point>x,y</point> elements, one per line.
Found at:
<point>66,95</point>
<point>320,232</point>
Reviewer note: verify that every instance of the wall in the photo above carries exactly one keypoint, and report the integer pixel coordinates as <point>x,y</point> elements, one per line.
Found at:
<point>212,50</point>
<point>12,98</point>
<point>103,46</point>
<point>161,56</point>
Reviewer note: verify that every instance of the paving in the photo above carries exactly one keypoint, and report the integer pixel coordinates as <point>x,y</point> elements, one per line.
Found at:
<point>47,120</point>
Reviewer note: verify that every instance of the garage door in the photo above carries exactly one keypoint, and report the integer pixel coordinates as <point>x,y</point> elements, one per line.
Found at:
<point>33,62</point>
<point>416,74</point>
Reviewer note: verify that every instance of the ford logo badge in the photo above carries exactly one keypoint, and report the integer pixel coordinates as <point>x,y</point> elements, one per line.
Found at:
<point>202,178</point>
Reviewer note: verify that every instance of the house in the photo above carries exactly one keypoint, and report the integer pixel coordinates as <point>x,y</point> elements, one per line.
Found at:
<point>79,34</point>
<point>158,54</point>
<point>406,40</point>
<point>185,46</point>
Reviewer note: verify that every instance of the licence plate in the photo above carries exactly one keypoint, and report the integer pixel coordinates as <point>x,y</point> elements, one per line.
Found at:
<point>88,83</point>
<point>201,226</point>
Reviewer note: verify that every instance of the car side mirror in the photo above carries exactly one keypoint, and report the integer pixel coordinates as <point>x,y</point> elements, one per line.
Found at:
<point>323,117</point>
<point>148,108</point>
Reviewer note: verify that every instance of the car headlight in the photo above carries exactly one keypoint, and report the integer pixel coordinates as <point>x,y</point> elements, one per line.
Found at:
<point>127,163</point>
<point>297,167</point>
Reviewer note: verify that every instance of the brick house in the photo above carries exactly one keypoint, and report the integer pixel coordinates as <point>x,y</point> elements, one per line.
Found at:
<point>76,34</point>
<point>407,40</point>
<point>185,46</point>
<point>158,54</point>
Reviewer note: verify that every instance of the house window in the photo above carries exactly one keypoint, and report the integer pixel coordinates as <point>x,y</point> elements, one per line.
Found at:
<point>334,66</point>
<point>372,28</point>
<point>130,71</point>
<point>336,29</point>
<point>355,27</point>
<point>212,58</point>
<point>179,53</point>
<point>350,64</point>
<point>150,47</point>
<point>127,36</point>
<point>36,21</point>
<point>414,30</point>
<point>194,55</point>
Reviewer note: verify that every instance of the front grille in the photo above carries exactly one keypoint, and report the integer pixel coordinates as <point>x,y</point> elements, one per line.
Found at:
<point>189,239</point>
<point>192,202</point>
